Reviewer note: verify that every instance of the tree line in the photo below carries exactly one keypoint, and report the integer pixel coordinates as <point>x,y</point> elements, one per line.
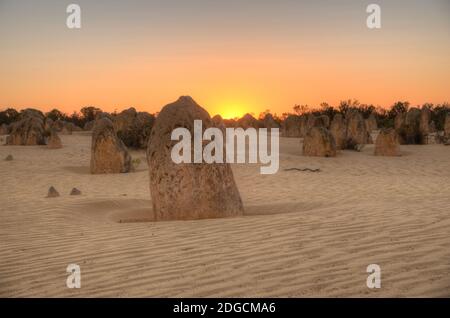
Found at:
<point>385,116</point>
<point>86,114</point>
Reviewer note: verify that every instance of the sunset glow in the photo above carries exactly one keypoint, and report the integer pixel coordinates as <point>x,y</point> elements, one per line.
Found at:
<point>231,112</point>
<point>233,57</point>
<point>230,108</point>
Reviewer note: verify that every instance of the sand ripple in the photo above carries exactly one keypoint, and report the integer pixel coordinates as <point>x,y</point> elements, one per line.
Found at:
<point>304,234</point>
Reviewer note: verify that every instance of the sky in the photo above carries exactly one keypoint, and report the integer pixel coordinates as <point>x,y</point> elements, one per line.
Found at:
<point>231,56</point>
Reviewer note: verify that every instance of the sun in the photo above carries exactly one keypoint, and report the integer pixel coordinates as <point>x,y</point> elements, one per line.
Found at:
<point>231,113</point>
<point>230,110</point>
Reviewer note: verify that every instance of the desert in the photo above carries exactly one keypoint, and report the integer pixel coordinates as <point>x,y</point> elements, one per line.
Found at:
<point>225,149</point>
<point>301,233</point>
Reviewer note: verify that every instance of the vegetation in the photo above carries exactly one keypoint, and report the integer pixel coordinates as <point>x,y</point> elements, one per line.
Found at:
<point>86,114</point>
<point>8,116</point>
<point>385,117</point>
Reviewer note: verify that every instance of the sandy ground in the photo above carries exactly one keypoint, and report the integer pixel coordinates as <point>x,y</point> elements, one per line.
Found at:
<point>304,233</point>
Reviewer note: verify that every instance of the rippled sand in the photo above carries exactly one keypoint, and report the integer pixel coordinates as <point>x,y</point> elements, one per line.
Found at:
<point>304,233</point>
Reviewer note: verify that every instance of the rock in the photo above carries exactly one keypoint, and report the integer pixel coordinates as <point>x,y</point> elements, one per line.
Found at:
<point>316,121</point>
<point>142,128</point>
<point>108,153</point>
<point>9,158</point>
<point>75,191</point>
<point>269,122</point>
<point>230,123</point>
<point>425,118</point>
<point>303,125</point>
<point>187,191</point>
<point>409,130</point>
<point>54,142</point>
<point>30,112</point>
<point>75,127</point>
<point>439,138</point>
<point>134,128</point>
<point>28,131</point>
<point>399,119</point>
<point>432,127</point>
<point>447,126</point>
<point>291,126</point>
<point>398,122</point>
<point>432,138</point>
<point>101,115</point>
<point>319,142</point>
<point>58,125</point>
<point>219,123</point>
<point>89,125</point>
<point>4,129</point>
<point>48,124</point>
<point>357,133</point>
<point>52,193</point>
<point>310,122</point>
<point>67,129</point>
<point>322,121</point>
<point>369,138</point>
<point>217,120</point>
<point>371,123</point>
<point>125,119</point>
<point>248,121</point>
<point>338,130</point>
<point>387,143</point>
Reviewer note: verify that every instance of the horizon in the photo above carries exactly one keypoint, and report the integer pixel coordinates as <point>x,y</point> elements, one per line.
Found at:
<point>310,108</point>
<point>233,58</point>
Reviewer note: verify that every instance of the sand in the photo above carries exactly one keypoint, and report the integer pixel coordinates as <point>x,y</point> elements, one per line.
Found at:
<point>304,234</point>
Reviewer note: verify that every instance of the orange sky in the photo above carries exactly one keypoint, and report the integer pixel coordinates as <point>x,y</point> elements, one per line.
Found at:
<point>264,58</point>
